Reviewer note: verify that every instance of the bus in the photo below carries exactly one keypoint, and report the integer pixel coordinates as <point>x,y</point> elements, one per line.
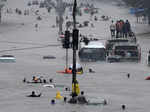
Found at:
<point>92,51</point>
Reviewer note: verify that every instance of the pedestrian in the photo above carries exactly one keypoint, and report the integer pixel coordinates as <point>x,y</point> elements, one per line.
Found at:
<point>105,102</point>
<point>117,29</point>
<point>81,98</point>
<point>112,28</point>
<point>39,18</point>
<point>67,89</point>
<point>144,19</point>
<point>44,81</point>
<point>125,30</point>
<point>121,24</point>
<point>36,27</point>
<point>52,101</point>
<point>128,75</point>
<point>34,95</point>
<point>51,80</point>
<point>95,18</point>
<point>57,21</point>
<point>123,107</point>
<point>24,80</point>
<point>128,27</point>
<point>65,99</point>
<point>66,17</point>
<point>149,58</point>
<point>92,25</point>
<point>91,70</point>
<point>16,10</point>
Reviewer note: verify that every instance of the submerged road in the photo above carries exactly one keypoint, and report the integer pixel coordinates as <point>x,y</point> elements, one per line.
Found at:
<point>29,46</point>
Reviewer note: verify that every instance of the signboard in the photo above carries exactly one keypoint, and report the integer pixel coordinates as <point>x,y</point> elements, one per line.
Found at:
<point>136,10</point>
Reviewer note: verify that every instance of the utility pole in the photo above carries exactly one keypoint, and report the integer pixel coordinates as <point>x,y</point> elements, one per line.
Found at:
<point>75,47</point>
<point>74,50</point>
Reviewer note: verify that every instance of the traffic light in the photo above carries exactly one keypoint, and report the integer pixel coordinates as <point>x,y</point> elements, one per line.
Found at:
<point>75,36</point>
<point>67,40</point>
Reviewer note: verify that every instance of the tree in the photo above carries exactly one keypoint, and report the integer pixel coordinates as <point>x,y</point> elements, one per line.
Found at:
<point>59,7</point>
<point>2,3</point>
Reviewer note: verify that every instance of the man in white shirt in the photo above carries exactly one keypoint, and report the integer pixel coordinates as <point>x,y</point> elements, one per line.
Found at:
<point>112,28</point>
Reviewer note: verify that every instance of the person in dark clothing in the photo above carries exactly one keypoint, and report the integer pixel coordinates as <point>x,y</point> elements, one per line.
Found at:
<point>95,18</point>
<point>123,107</point>
<point>125,30</point>
<point>128,27</point>
<point>91,70</point>
<point>44,81</point>
<point>65,99</point>
<point>117,29</point>
<point>81,98</point>
<point>24,80</point>
<point>51,80</point>
<point>149,58</point>
<point>85,40</point>
<point>34,95</point>
<point>128,75</point>
<point>52,101</point>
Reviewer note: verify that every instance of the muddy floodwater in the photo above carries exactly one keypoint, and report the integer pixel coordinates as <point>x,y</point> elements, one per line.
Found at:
<point>18,37</point>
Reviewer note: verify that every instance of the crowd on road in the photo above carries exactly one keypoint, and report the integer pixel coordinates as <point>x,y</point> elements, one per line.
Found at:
<point>120,29</point>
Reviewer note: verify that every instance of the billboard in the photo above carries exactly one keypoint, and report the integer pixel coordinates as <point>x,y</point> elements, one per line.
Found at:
<point>136,10</point>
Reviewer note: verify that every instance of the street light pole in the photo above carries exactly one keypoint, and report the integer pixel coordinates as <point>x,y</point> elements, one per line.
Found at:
<point>75,47</point>
<point>74,51</point>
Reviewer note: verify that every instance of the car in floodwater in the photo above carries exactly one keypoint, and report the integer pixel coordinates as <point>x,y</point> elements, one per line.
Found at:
<point>126,51</point>
<point>7,58</point>
<point>93,51</point>
<point>111,42</point>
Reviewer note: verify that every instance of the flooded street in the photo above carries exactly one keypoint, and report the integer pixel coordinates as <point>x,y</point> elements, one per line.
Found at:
<point>18,37</point>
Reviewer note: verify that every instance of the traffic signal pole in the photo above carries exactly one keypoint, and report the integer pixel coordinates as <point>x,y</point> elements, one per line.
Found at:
<point>67,46</point>
<point>66,60</point>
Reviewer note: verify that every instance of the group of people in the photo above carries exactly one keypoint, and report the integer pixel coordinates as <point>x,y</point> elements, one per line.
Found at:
<point>33,94</point>
<point>38,80</point>
<point>80,98</point>
<point>120,29</point>
<point>18,11</point>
